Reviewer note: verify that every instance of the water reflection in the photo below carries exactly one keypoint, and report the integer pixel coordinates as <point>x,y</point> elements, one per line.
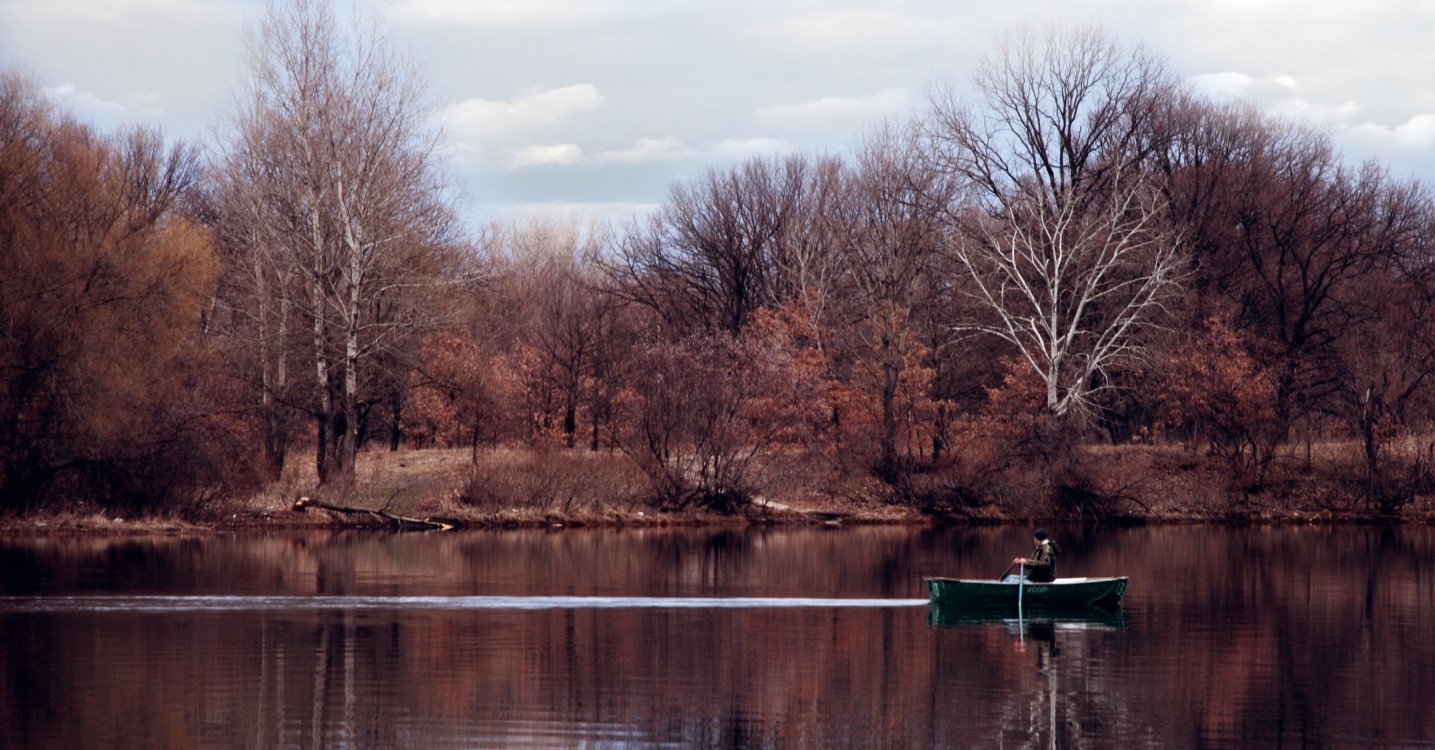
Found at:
<point>685,638</point>
<point>945,615</point>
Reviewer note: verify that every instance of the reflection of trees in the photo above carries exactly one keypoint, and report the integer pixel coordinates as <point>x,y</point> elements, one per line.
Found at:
<point>1269,611</point>
<point>1031,684</point>
<point>727,679</point>
<point>1234,638</point>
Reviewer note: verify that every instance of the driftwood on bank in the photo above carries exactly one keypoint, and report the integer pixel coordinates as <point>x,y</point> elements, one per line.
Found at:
<point>402,522</point>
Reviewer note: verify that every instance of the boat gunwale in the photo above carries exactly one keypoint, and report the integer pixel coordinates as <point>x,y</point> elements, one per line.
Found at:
<point>1057,582</point>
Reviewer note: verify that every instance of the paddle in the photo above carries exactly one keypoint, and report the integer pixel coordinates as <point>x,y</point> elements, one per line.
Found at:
<point>1020,589</point>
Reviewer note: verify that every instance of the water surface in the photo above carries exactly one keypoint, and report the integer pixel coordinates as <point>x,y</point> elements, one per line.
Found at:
<point>785,638</point>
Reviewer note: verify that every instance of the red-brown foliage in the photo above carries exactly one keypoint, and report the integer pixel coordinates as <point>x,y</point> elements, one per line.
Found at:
<point>105,391</point>
<point>461,396</point>
<point>1214,390</point>
<point>701,412</point>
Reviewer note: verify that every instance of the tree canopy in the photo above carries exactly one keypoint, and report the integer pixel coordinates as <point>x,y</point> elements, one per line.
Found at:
<point>1083,251</point>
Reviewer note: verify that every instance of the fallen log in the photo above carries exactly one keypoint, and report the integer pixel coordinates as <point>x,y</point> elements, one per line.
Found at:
<point>304,503</point>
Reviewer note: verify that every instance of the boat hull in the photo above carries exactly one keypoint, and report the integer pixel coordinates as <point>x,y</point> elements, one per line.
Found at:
<point>1062,592</point>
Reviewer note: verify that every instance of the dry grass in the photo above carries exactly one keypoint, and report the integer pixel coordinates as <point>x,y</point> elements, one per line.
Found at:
<point>545,486</point>
<point>94,522</point>
<point>410,482</point>
<point>517,486</point>
<point>1321,481</point>
<point>560,482</point>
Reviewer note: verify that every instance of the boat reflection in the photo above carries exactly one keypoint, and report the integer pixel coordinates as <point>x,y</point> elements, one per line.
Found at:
<point>1044,655</point>
<point>949,615</point>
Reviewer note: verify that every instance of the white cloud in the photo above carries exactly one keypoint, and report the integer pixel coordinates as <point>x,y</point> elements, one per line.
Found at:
<point>520,14</point>
<point>614,211</point>
<point>644,151</point>
<point>838,108</point>
<point>66,94</point>
<point>1233,84</point>
<point>846,29</point>
<point>561,154</point>
<point>734,149</point>
<point>1417,132</point>
<point>482,119</point>
<point>1318,112</point>
<point>1281,94</point>
<point>91,107</point>
<point>106,11</point>
<point>647,150</point>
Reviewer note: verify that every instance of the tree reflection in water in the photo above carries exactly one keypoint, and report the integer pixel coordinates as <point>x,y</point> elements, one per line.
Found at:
<point>1228,638</point>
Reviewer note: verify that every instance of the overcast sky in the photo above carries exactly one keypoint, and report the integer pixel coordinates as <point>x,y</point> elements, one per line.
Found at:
<point>596,106</point>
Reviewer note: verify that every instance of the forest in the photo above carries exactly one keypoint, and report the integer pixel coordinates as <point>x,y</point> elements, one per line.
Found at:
<point>1083,289</point>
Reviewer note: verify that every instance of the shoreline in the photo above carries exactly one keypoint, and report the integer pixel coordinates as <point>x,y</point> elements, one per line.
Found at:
<point>288,521</point>
<point>520,489</point>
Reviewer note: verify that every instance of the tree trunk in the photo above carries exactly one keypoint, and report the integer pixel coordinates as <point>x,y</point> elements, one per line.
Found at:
<point>353,275</point>
<point>274,377</point>
<point>570,419</point>
<point>273,447</point>
<point>593,445</point>
<point>323,447</point>
<point>396,428</point>
<point>887,466</point>
<point>349,436</point>
<point>324,412</point>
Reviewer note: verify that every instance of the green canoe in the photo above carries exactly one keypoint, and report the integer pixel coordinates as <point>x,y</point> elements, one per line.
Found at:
<point>1062,592</point>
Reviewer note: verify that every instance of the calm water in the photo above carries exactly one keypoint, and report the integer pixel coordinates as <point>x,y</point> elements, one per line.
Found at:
<point>806,638</point>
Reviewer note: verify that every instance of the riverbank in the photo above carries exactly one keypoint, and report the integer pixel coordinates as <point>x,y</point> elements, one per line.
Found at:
<point>520,488</point>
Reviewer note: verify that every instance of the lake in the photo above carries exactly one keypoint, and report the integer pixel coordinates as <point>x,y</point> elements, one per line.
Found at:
<point>1280,637</point>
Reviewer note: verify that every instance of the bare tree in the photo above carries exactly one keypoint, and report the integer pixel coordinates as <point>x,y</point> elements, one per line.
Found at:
<point>258,291</point>
<point>554,274</point>
<point>706,259</point>
<point>333,167</point>
<point>1295,246</point>
<point>805,268</point>
<point>700,416</point>
<point>1390,361</point>
<point>1072,288</point>
<point>1308,231</point>
<point>1068,248</point>
<point>889,232</point>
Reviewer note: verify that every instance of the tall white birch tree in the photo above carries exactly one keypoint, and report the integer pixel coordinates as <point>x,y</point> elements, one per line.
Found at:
<point>1068,252</point>
<point>333,156</point>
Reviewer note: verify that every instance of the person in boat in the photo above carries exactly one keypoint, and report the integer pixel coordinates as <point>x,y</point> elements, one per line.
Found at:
<point>1041,566</point>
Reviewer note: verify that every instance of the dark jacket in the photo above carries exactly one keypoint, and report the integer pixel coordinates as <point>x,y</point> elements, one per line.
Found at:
<point>1041,565</point>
